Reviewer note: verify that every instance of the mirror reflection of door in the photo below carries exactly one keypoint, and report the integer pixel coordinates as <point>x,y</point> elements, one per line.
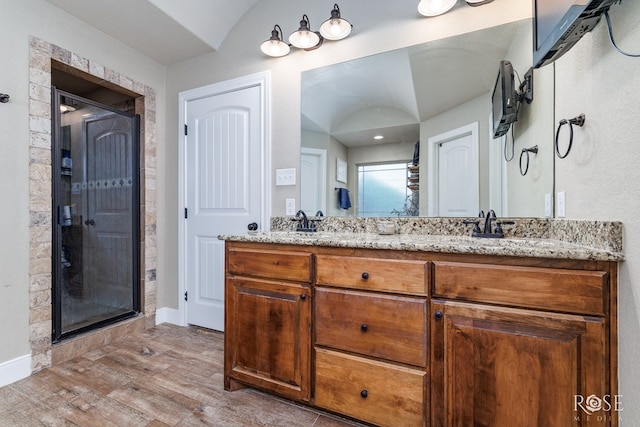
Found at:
<point>313,180</point>
<point>96,215</point>
<point>454,184</point>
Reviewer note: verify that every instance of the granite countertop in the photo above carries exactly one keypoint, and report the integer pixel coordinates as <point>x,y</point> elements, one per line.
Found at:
<point>509,246</point>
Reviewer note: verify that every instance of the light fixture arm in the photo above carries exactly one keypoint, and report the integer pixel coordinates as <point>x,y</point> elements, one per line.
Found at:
<point>276,33</point>
<point>335,13</point>
<point>305,24</point>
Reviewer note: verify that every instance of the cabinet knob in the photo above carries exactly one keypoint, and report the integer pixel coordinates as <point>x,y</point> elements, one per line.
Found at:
<point>253,226</point>
<point>439,315</point>
<point>365,275</point>
<point>364,327</point>
<point>303,296</point>
<point>364,393</point>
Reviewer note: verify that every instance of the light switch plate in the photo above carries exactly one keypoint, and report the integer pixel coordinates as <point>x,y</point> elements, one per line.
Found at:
<point>290,208</point>
<point>562,212</point>
<point>286,176</point>
<point>547,205</point>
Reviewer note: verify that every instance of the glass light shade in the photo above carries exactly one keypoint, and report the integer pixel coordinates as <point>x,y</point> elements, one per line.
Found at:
<point>335,28</point>
<point>304,39</point>
<point>275,48</point>
<point>435,7</point>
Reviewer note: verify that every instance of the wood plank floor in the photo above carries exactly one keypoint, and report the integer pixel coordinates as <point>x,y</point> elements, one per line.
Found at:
<point>165,376</point>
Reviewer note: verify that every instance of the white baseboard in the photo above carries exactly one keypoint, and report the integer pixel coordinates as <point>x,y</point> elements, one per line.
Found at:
<point>14,370</point>
<point>168,315</point>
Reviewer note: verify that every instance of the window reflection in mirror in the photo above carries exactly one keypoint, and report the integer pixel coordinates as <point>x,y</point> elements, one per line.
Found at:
<point>416,93</point>
<point>384,191</point>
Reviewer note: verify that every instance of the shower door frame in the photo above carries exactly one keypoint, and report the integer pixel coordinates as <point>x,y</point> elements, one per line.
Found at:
<point>56,165</point>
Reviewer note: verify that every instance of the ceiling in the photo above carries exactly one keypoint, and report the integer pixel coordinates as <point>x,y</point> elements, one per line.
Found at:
<point>164,30</point>
<point>338,99</point>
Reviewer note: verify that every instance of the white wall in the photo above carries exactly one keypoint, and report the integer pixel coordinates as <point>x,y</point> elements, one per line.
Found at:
<point>378,27</point>
<point>21,19</point>
<point>601,173</point>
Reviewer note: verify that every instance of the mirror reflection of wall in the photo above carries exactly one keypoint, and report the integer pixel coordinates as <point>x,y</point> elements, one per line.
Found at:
<point>421,92</point>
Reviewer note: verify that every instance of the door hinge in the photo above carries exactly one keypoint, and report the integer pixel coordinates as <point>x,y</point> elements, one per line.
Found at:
<point>185,130</point>
<point>186,296</point>
<point>186,213</point>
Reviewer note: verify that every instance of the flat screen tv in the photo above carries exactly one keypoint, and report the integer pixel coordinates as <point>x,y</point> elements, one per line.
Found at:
<point>504,100</point>
<point>559,24</point>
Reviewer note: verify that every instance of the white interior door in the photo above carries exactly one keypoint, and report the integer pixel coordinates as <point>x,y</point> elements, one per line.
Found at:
<point>454,184</point>
<point>313,180</point>
<point>225,191</point>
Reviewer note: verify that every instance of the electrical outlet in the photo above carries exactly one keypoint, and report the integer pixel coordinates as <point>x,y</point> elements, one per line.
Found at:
<point>286,176</point>
<point>547,205</point>
<point>290,207</point>
<point>562,207</point>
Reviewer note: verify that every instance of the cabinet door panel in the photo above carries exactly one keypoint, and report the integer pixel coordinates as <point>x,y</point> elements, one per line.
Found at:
<point>268,339</point>
<point>498,367</point>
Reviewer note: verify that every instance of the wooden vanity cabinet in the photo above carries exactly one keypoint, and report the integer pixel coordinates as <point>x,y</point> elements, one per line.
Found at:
<point>268,306</point>
<point>400,338</point>
<point>518,365</point>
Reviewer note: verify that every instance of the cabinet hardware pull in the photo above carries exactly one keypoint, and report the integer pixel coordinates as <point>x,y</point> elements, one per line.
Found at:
<point>303,296</point>
<point>364,327</point>
<point>439,315</point>
<point>365,275</point>
<point>364,393</point>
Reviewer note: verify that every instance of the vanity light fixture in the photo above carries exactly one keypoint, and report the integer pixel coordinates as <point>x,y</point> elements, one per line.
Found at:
<point>275,46</point>
<point>438,7</point>
<point>478,2</point>
<point>335,28</point>
<point>304,38</point>
<point>435,7</point>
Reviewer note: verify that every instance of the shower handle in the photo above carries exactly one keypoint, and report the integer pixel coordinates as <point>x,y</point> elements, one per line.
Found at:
<point>89,222</point>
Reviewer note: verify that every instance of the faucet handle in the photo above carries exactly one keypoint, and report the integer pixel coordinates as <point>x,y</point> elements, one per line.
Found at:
<point>499,225</point>
<point>476,225</point>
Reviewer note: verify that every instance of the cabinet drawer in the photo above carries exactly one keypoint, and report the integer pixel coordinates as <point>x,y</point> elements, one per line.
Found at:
<point>385,326</point>
<point>283,265</point>
<point>372,391</point>
<point>372,273</point>
<point>573,291</point>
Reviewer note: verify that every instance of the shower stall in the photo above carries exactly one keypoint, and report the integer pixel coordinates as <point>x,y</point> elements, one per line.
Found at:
<point>96,215</point>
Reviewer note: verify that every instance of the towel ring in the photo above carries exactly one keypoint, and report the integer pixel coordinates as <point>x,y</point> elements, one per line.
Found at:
<point>578,121</point>
<point>4,98</point>
<point>526,151</point>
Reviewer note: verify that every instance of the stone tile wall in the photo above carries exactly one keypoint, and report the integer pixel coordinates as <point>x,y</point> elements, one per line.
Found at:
<point>41,53</point>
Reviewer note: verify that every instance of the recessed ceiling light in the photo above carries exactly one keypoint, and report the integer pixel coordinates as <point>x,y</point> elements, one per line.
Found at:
<point>378,137</point>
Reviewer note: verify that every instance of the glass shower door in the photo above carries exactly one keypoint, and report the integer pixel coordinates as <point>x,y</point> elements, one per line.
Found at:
<point>96,215</point>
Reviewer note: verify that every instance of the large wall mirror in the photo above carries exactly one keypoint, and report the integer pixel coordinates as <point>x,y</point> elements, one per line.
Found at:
<point>407,132</point>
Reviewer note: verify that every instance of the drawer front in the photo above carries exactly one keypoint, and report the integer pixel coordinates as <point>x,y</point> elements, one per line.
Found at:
<point>283,265</point>
<point>372,391</point>
<point>573,291</point>
<point>385,326</point>
<point>372,274</point>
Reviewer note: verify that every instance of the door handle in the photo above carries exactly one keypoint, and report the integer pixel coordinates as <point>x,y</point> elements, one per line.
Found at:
<point>89,222</point>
